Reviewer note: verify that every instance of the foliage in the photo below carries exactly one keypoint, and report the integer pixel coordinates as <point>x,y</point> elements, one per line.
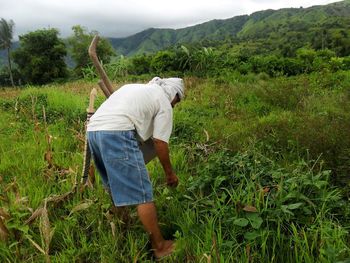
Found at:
<point>6,33</point>
<point>40,57</point>
<point>79,43</point>
<point>118,67</point>
<point>263,175</point>
<point>162,61</point>
<point>216,62</point>
<point>57,105</point>
<point>140,64</point>
<point>5,77</point>
<point>6,36</point>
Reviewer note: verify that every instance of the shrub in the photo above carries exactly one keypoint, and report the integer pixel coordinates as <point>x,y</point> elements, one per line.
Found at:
<point>57,105</point>
<point>163,61</point>
<point>140,65</point>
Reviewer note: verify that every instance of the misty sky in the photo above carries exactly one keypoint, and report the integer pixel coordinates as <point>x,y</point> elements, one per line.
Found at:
<point>120,18</point>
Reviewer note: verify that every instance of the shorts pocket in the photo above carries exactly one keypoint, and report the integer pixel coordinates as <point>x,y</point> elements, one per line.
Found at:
<point>116,147</point>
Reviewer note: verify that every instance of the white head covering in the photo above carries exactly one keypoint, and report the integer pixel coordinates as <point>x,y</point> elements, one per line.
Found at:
<point>170,86</point>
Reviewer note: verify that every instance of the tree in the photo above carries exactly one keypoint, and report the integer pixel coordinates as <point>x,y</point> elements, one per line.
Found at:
<point>163,61</point>
<point>307,56</point>
<point>6,35</point>
<point>140,64</point>
<point>40,57</point>
<point>79,44</point>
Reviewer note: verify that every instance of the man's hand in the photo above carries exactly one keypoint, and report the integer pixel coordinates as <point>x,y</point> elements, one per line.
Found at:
<point>163,155</point>
<point>172,180</point>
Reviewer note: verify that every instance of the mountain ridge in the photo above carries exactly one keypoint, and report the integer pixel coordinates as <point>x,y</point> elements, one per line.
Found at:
<point>241,27</point>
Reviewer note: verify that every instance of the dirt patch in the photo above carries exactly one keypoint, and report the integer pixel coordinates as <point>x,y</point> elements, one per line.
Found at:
<point>9,93</point>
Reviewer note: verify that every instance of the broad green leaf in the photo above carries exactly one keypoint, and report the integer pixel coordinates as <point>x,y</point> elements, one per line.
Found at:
<point>251,235</point>
<point>256,223</point>
<point>255,220</point>
<point>241,222</point>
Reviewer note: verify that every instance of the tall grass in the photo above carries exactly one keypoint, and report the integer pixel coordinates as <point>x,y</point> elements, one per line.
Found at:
<point>262,166</point>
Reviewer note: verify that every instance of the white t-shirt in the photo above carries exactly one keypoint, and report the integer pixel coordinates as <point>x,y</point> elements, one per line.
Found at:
<point>143,107</point>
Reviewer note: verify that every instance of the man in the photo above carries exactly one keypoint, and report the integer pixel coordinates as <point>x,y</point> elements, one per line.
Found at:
<point>136,112</point>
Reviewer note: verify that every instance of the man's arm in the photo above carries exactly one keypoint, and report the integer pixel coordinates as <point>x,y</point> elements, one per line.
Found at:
<point>162,150</point>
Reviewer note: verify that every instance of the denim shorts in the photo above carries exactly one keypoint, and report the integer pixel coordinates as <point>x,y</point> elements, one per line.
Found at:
<point>121,165</point>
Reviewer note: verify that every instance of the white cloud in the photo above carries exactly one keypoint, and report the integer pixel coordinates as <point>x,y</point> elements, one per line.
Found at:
<point>120,18</point>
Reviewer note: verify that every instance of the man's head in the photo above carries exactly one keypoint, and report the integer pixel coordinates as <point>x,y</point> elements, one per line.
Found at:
<point>173,88</point>
<point>175,100</point>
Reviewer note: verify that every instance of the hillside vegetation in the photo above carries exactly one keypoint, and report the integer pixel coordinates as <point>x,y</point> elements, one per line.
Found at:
<point>284,29</point>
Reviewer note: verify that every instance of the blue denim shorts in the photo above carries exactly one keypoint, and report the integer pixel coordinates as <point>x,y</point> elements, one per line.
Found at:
<point>121,165</point>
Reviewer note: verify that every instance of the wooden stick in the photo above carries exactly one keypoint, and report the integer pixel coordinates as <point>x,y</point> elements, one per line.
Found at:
<point>87,151</point>
<point>104,88</point>
<point>93,95</point>
<point>97,64</point>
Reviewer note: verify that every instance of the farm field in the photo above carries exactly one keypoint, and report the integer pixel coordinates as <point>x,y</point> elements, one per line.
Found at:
<point>263,164</point>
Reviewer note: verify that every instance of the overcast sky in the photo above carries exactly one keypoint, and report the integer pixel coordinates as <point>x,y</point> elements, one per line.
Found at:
<point>120,18</point>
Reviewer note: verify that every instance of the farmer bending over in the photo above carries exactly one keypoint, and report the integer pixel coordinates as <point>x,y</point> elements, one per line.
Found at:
<point>136,112</point>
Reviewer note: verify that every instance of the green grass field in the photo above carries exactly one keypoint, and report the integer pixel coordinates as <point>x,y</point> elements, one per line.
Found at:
<point>263,164</point>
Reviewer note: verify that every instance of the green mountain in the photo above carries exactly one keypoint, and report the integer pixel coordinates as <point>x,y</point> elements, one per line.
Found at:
<point>290,26</point>
<point>153,39</point>
<point>267,31</point>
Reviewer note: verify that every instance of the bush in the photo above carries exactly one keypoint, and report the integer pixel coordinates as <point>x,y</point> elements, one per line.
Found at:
<point>346,63</point>
<point>5,80</point>
<point>263,203</point>
<point>32,103</point>
<point>163,61</point>
<point>140,65</point>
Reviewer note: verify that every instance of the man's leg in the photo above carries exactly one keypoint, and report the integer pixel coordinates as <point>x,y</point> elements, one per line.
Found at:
<point>148,216</point>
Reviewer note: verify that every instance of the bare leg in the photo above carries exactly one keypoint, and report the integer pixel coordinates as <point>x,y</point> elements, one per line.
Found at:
<point>148,216</point>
